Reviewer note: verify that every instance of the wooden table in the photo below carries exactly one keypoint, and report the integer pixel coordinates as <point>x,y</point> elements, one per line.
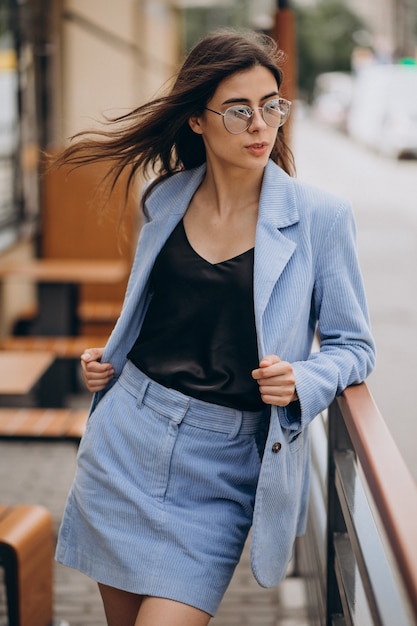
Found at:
<point>58,282</point>
<point>20,372</point>
<point>67,270</point>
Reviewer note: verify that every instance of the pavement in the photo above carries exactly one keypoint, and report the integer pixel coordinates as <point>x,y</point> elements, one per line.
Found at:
<point>41,473</point>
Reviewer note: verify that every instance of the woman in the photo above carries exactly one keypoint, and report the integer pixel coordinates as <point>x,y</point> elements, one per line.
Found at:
<point>207,385</point>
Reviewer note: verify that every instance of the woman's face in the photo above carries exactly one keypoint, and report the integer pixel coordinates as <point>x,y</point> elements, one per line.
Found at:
<point>251,148</point>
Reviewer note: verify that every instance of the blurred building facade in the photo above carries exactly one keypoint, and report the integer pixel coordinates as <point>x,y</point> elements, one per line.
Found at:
<point>67,64</point>
<point>392,25</point>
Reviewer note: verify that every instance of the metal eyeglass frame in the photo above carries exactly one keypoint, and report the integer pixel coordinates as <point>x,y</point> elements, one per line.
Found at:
<point>250,111</point>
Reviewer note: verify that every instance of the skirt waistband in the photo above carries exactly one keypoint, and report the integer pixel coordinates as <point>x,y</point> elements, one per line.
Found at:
<point>181,408</point>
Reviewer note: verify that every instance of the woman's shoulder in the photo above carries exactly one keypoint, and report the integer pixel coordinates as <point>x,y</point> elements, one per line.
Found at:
<point>275,177</point>
<point>316,198</point>
<point>157,190</point>
<point>309,202</point>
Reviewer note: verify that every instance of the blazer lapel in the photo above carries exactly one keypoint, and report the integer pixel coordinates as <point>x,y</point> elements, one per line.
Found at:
<point>166,205</point>
<point>277,210</point>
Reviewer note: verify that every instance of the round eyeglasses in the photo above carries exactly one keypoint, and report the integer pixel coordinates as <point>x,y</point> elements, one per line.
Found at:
<point>238,118</point>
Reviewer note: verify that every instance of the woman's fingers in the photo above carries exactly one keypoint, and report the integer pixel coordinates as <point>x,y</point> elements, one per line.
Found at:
<point>276,381</point>
<point>95,373</point>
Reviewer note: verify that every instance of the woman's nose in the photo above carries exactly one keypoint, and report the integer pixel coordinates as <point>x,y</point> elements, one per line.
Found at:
<point>257,120</point>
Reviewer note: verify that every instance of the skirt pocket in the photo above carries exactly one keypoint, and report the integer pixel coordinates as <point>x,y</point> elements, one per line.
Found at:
<point>132,444</point>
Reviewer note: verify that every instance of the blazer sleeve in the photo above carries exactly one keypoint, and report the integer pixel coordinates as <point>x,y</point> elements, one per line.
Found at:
<point>347,351</point>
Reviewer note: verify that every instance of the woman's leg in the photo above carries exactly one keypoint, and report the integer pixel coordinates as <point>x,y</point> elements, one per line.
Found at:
<point>162,612</point>
<point>128,609</point>
<point>121,607</point>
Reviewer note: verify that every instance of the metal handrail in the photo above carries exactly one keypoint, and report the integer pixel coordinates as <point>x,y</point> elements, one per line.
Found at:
<point>389,480</point>
<point>359,555</point>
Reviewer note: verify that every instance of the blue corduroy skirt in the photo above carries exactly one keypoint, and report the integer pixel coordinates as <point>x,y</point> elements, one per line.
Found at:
<point>163,495</point>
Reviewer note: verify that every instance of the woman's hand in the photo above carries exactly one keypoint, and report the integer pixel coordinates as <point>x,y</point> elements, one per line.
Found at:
<point>276,381</point>
<point>96,374</point>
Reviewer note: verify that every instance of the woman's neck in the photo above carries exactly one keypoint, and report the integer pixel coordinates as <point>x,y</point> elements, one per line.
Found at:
<point>228,192</point>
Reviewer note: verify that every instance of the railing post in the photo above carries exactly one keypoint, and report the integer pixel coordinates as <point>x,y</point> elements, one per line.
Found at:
<point>284,34</point>
<point>338,439</point>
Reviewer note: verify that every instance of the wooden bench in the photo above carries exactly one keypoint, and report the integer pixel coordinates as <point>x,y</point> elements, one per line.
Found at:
<point>22,375</point>
<point>61,347</point>
<point>95,317</point>
<point>26,555</point>
<point>28,424</point>
<point>98,316</point>
<point>62,379</point>
<point>99,310</point>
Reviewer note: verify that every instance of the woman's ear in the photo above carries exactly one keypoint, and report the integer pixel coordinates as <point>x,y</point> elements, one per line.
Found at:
<point>195,124</point>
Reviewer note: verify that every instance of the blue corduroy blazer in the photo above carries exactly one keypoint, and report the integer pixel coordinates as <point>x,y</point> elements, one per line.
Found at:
<point>306,279</point>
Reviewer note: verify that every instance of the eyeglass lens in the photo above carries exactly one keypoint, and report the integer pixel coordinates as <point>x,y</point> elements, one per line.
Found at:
<point>274,112</point>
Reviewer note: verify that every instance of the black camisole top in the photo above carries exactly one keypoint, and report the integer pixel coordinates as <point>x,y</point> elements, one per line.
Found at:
<point>198,335</point>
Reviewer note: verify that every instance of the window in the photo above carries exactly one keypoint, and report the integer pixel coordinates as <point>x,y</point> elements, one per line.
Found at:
<point>19,130</point>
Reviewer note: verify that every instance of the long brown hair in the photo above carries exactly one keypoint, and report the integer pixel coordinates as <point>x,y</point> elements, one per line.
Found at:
<point>157,135</point>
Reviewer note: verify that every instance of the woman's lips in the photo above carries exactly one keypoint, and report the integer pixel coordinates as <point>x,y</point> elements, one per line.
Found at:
<point>258,148</point>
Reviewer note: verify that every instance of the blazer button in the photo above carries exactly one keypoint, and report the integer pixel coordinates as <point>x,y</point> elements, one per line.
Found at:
<point>276,447</point>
